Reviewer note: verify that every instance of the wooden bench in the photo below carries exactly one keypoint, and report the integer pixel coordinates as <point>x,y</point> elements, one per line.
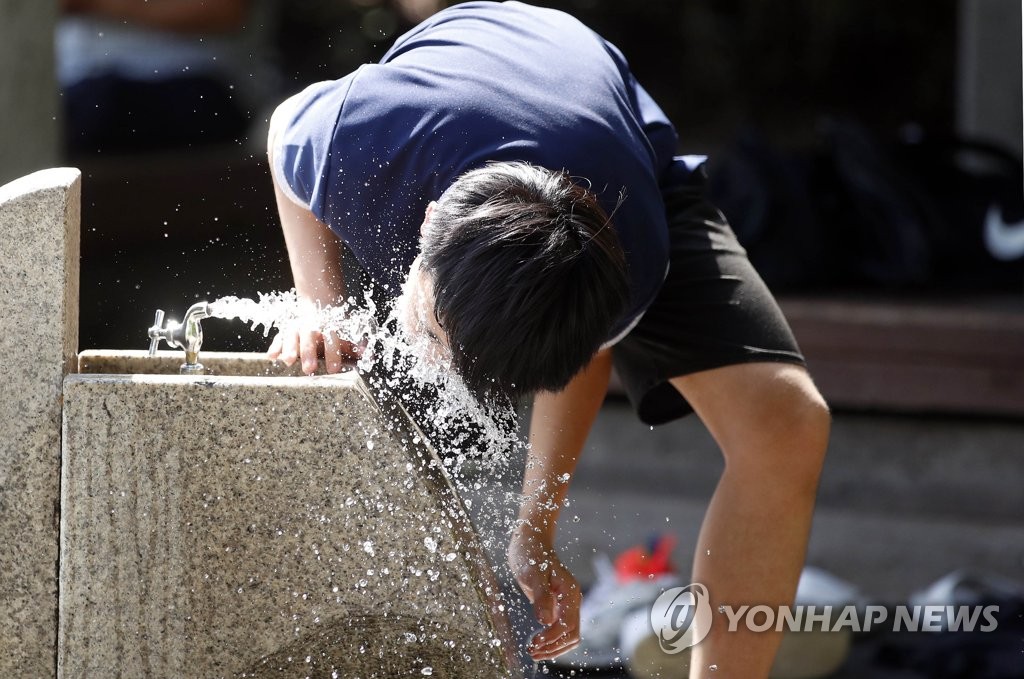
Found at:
<point>960,355</point>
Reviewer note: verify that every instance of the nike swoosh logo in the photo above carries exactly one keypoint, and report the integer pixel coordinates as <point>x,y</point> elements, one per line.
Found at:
<point>1004,241</point>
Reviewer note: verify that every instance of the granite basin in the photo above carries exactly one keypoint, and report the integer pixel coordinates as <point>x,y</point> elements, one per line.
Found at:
<point>250,522</point>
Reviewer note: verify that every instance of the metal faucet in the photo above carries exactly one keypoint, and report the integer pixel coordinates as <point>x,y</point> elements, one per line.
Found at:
<point>187,335</point>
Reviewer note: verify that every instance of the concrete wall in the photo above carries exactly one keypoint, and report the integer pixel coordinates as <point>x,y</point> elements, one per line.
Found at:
<point>39,224</point>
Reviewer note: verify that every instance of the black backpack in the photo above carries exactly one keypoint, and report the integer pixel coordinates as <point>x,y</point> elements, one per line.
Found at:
<point>856,212</point>
<point>977,192</point>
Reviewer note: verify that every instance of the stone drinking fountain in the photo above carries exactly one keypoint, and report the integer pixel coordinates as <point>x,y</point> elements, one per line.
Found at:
<point>236,521</point>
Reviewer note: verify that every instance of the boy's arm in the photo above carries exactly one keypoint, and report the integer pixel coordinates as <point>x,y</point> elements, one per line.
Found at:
<point>315,256</point>
<point>558,430</point>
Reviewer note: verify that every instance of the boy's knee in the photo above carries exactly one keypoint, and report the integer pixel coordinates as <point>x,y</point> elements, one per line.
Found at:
<point>791,435</point>
<point>815,419</point>
<point>808,425</point>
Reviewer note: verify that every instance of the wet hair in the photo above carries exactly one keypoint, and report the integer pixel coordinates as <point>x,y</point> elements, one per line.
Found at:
<point>529,277</point>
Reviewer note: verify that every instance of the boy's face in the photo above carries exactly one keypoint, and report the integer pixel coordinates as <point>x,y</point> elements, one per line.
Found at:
<point>415,312</point>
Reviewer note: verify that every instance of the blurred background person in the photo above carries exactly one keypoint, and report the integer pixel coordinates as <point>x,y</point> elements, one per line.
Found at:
<point>140,76</point>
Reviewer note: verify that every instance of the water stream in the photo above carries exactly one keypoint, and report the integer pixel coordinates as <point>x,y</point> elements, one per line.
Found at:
<point>449,410</point>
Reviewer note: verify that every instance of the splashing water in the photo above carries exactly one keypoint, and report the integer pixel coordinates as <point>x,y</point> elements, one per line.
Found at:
<point>460,426</point>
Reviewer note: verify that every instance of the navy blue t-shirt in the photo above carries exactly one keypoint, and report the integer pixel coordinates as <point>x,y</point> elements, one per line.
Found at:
<point>479,82</point>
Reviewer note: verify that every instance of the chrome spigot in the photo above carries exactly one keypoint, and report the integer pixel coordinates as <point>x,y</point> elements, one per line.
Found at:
<point>187,335</point>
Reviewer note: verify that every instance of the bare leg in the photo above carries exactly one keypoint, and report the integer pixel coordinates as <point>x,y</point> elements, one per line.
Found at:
<point>772,427</point>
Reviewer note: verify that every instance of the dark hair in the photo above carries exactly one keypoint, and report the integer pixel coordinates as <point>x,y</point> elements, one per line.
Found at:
<point>529,277</point>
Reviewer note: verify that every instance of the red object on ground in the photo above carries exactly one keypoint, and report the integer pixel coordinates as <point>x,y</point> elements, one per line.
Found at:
<point>646,562</point>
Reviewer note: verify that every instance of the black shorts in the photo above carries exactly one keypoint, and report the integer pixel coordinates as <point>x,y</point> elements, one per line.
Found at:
<point>713,310</point>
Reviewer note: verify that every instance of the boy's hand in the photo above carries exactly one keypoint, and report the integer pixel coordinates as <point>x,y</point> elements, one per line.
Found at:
<point>552,590</point>
<point>309,343</point>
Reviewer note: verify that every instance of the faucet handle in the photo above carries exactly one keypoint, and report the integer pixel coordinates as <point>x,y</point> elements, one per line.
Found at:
<point>157,332</point>
<point>187,335</point>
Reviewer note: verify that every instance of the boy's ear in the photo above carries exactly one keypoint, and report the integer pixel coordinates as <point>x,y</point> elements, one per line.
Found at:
<point>427,216</point>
